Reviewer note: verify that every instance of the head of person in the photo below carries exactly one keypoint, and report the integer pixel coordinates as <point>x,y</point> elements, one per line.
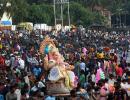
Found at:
<point>111,76</point>
<point>82,72</point>
<point>101,83</point>
<point>12,88</point>
<point>73,93</point>
<point>117,86</point>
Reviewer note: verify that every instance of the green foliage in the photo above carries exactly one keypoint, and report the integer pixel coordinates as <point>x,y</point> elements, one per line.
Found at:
<point>81,11</point>
<point>40,13</point>
<point>19,11</point>
<point>79,14</point>
<point>82,15</point>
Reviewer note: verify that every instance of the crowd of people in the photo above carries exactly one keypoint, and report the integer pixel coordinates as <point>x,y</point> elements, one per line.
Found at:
<point>23,77</point>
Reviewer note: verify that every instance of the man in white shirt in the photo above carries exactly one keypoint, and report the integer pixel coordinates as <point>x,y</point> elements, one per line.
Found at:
<point>21,63</point>
<point>111,80</point>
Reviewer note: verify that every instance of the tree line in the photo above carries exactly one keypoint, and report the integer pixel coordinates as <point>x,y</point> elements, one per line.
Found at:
<point>81,11</point>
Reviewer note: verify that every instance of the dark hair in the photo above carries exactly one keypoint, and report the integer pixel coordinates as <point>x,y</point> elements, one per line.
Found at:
<point>117,85</point>
<point>119,65</point>
<point>119,79</point>
<point>78,86</point>
<point>106,80</point>
<point>111,76</point>
<point>73,93</point>
<point>12,88</point>
<point>82,59</point>
<point>82,72</point>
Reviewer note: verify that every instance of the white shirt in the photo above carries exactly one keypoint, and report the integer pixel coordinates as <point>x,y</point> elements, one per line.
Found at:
<point>18,93</point>
<point>21,63</point>
<point>27,80</point>
<point>40,84</point>
<point>111,81</point>
<point>128,88</point>
<point>123,85</point>
<point>7,62</point>
<point>93,78</point>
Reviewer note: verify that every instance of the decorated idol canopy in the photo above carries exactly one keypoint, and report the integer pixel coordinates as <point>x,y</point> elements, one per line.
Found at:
<point>58,71</point>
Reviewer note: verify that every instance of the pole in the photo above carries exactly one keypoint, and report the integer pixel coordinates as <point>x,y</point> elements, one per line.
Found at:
<point>62,12</point>
<point>69,14</point>
<point>120,19</point>
<point>55,12</point>
<point>125,19</point>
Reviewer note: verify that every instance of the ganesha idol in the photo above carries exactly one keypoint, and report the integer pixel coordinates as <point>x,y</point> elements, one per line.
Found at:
<point>55,65</point>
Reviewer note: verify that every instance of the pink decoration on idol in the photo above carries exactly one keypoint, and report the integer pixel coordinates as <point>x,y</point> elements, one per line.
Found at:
<point>84,50</point>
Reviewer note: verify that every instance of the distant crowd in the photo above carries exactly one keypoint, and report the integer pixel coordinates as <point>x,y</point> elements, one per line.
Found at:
<point>22,75</point>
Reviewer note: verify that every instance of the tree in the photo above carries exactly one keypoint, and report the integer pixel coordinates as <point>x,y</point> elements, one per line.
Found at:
<point>42,13</point>
<point>82,15</point>
<point>93,3</point>
<point>19,11</point>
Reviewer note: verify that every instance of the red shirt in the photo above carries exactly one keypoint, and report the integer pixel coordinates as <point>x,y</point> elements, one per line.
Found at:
<point>119,71</point>
<point>2,62</point>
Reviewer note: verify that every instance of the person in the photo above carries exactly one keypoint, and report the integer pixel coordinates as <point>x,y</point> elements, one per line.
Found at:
<point>2,62</point>
<point>21,63</point>
<point>42,85</point>
<point>73,95</point>
<point>103,91</point>
<point>81,92</point>
<point>123,84</point>
<point>93,76</point>
<point>50,98</point>
<point>1,97</point>
<point>82,65</point>
<point>111,79</point>
<point>82,78</point>
<point>37,71</point>
<point>11,95</point>
<point>119,71</point>
<point>18,92</point>
<point>120,94</point>
<point>25,92</point>
<point>128,87</point>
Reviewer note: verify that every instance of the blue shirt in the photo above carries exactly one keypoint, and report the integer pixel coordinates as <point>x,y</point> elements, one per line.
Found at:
<point>37,71</point>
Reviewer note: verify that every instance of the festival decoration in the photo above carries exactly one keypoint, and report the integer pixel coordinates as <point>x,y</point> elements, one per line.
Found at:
<point>47,41</point>
<point>102,76</point>
<point>46,49</point>
<point>57,69</point>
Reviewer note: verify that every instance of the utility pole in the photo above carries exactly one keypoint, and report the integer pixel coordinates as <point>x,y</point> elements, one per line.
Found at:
<point>61,3</point>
